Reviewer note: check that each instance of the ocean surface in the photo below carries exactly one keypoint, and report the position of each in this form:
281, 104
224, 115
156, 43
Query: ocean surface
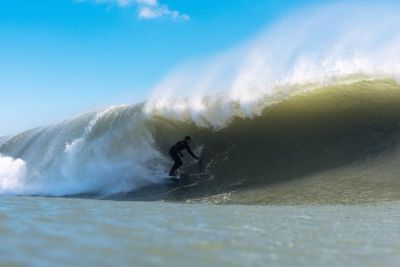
43, 231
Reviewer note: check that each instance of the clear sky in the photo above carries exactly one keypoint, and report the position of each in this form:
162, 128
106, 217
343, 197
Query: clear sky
60, 58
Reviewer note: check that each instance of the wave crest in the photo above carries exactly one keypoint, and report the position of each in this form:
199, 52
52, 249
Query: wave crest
308, 49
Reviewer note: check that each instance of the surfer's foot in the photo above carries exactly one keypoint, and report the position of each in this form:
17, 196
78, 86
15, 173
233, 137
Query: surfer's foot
172, 174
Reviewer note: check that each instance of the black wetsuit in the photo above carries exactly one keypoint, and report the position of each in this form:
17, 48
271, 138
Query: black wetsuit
175, 151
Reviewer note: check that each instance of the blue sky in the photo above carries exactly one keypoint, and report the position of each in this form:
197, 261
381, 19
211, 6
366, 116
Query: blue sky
60, 58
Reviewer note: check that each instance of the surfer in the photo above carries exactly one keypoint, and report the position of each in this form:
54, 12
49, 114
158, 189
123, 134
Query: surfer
176, 154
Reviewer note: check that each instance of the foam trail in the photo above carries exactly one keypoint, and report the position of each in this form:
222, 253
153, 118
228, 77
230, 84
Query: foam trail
317, 46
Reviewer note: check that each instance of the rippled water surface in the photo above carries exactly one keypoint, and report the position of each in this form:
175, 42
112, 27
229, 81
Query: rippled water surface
39, 231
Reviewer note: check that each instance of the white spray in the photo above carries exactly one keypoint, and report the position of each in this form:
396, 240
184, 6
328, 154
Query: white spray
307, 49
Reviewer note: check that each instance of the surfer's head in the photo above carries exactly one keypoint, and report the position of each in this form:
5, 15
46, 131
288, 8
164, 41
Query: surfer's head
188, 139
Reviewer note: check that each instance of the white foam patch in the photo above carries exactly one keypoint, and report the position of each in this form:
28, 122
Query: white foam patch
13, 173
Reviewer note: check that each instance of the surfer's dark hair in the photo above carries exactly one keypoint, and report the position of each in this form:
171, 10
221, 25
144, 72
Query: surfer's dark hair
188, 137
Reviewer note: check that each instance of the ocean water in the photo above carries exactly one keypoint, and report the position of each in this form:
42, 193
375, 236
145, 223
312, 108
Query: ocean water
42, 231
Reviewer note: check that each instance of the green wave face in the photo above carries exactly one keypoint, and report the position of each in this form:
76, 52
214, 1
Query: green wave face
337, 144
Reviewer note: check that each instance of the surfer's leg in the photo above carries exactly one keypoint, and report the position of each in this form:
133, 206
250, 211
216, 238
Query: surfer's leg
177, 164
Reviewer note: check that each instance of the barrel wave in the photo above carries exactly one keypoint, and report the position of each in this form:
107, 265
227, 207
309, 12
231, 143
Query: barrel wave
307, 112
334, 144
338, 144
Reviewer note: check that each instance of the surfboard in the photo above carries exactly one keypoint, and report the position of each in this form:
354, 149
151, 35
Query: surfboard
171, 179
174, 178
182, 175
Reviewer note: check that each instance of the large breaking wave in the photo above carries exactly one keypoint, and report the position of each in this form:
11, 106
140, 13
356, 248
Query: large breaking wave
306, 112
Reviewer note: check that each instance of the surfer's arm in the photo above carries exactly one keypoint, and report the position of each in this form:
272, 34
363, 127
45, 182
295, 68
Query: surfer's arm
191, 153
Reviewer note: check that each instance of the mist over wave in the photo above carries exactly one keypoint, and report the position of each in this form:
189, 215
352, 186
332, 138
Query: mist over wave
330, 57
307, 49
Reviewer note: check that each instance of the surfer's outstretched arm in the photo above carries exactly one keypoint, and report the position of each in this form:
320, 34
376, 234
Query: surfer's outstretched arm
191, 153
